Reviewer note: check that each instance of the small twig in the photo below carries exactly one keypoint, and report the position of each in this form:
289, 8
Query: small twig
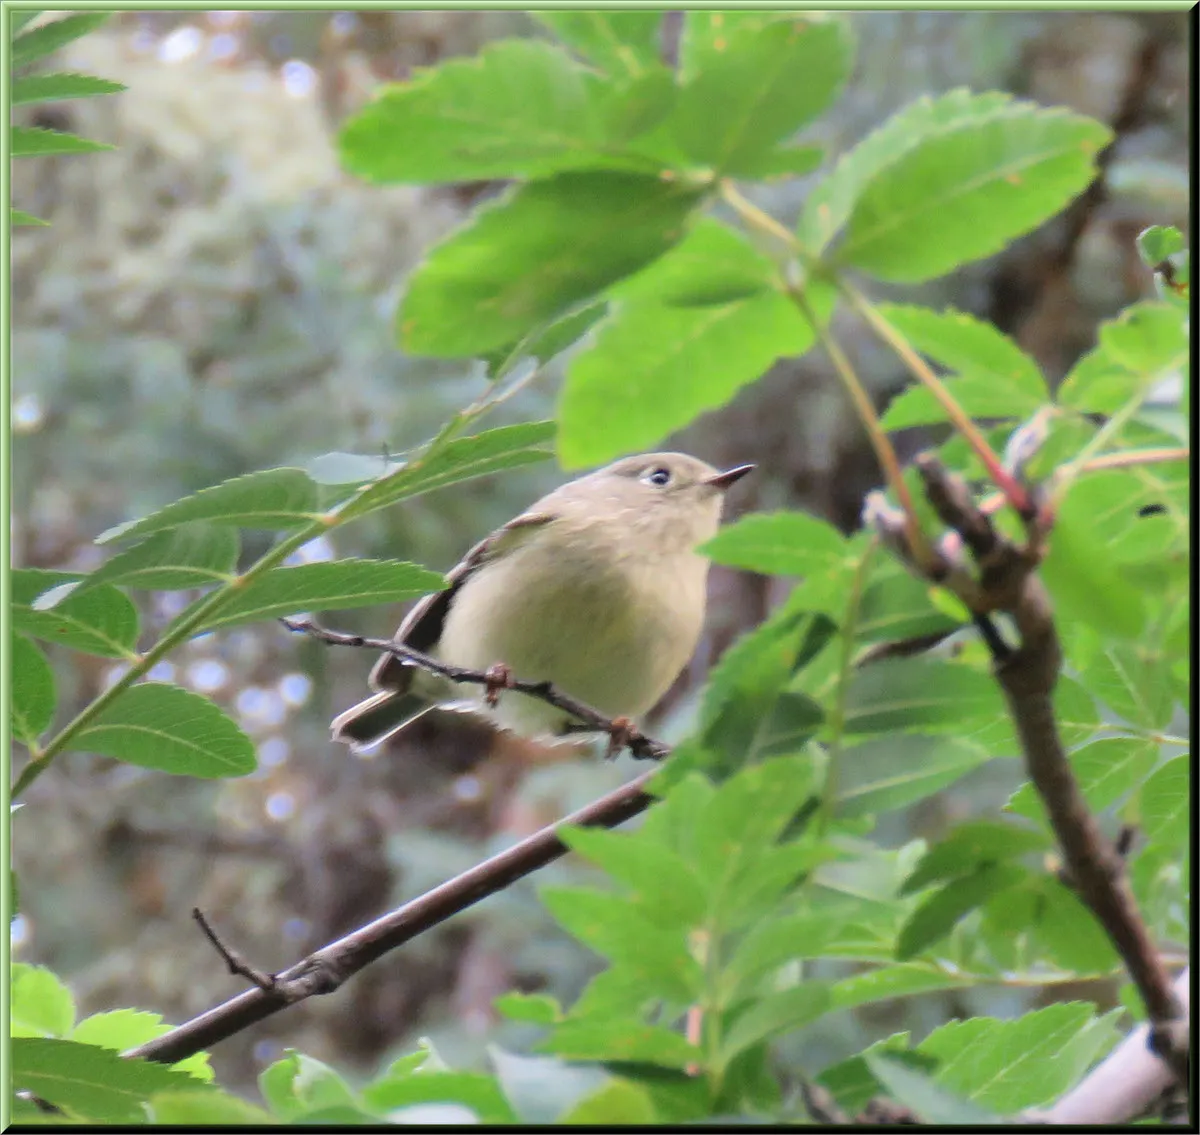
821, 1105
493, 681
237, 967
329, 967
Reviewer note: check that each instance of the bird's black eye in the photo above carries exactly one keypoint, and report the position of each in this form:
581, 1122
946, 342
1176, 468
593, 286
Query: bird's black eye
659, 475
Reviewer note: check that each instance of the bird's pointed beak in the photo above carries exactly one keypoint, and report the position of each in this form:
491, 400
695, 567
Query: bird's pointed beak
722, 481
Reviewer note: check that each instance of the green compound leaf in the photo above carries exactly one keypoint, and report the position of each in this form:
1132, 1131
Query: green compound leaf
335, 586
963, 193
60, 85
32, 690
163, 727
101, 621
535, 254
35, 141
196, 554
50, 37
272, 499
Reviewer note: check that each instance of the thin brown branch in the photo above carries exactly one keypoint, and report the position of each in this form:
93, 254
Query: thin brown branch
329, 967
1005, 580
640, 746
237, 967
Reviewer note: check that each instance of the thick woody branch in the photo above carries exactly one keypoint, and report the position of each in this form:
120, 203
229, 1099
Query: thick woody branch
643, 748
1004, 579
327, 969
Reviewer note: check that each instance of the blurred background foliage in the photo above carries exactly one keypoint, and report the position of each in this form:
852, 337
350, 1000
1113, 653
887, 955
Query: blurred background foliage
215, 296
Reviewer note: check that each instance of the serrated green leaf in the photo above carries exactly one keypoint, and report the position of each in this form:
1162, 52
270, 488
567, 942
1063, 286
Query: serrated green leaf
621, 1040
50, 37
534, 254
205, 1109
970, 845
60, 85
1164, 802
520, 108
773, 942
455, 461
1012, 1065
748, 97
102, 621
829, 205
39, 1003
614, 927
635, 108
885, 982
618, 1101
889, 772
706, 34
32, 690
272, 499
669, 890
625, 44
925, 1098
535, 1008
1107, 771
895, 605
905, 693
163, 727
1075, 710
937, 915
297, 1084
994, 377
545, 343
474, 1090
123, 1029
652, 369
20, 217
1146, 343
966, 191
851, 1081
775, 1014
785, 543
1132, 679
90, 1083
1157, 242
35, 141
334, 586
18, 18
781, 162
196, 554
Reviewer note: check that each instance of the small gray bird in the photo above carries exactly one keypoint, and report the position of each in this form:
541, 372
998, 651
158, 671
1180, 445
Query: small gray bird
597, 588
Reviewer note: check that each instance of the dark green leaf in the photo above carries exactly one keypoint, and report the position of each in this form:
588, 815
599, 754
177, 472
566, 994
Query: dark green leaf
970, 845
963, 193
520, 108
273, 499
91, 1083
888, 772
534, 254
474, 1090
1165, 802
621, 1039
895, 605
748, 98
1158, 242
193, 555
832, 200
670, 890
925, 1098
950, 904
1012, 1065
455, 461
334, 586
897, 694
39, 1003
776, 1013
652, 369
851, 1081
20, 217
123, 1029
102, 621
31, 689
773, 942
34, 141
48, 88
625, 44
163, 727
50, 37
996, 379
1074, 709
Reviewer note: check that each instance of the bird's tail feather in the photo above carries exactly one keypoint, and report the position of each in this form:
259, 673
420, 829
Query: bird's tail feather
366, 726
